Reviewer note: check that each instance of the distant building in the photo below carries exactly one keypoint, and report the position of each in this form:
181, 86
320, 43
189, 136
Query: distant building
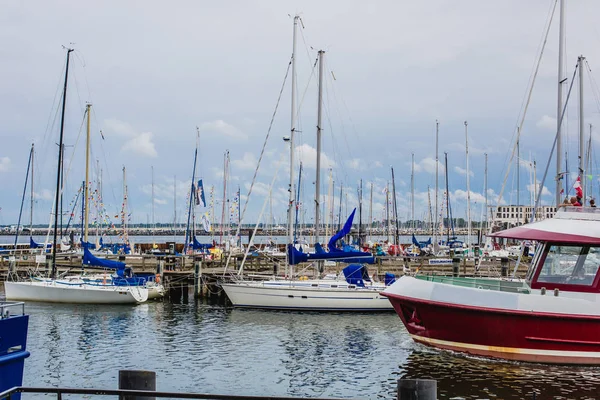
509, 216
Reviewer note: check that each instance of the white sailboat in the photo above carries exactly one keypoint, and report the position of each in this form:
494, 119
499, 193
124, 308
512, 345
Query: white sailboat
75, 289
353, 292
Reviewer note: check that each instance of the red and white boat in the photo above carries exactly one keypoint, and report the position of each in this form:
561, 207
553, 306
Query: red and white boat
552, 316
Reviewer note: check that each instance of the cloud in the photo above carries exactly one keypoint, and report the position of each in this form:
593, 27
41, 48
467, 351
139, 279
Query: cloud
141, 145
248, 161
43, 194
428, 165
221, 127
354, 163
461, 195
547, 123
545, 191
462, 171
5, 164
138, 143
308, 156
160, 201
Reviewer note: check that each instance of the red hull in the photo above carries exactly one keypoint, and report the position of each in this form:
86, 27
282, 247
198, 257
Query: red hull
511, 335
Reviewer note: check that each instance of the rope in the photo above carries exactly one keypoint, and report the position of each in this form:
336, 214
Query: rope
262, 152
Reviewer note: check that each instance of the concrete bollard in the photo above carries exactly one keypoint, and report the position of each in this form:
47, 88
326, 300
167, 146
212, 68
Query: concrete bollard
413, 389
137, 380
504, 266
455, 266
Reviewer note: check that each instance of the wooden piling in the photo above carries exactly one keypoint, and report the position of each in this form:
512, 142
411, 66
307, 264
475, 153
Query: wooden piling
137, 380
417, 389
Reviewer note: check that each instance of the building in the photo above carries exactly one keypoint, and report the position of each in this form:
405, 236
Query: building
509, 216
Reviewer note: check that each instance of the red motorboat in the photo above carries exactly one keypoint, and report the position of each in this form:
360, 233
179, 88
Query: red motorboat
551, 316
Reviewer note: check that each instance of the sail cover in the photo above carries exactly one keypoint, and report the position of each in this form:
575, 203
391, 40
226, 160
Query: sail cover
89, 260
295, 256
35, 245
343, 232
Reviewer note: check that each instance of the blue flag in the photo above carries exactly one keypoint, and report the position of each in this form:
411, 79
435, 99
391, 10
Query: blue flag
202, 199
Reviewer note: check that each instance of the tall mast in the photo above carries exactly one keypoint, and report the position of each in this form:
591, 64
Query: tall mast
468, 188
340, 210
86, 191
485, 189
152, 227
191, 200
124, 211
387, 210
518, 168
412, 192
396, 234
32, 192
318, 178
371, 212
292, 131
581, 61
174, 204
360, 198
561, 80
435, 222
58, 174
224, 196
447, 197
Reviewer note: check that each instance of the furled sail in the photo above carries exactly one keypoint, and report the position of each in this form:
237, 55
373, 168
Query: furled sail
343, 232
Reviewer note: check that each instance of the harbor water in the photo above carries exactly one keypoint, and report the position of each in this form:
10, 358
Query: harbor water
210, 348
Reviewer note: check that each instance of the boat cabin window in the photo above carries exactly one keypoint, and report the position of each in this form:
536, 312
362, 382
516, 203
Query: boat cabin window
573, 265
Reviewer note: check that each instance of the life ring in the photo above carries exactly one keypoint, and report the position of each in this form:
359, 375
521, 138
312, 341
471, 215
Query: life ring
157, 278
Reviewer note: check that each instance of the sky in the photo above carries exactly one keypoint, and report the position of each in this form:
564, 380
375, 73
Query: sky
162, 76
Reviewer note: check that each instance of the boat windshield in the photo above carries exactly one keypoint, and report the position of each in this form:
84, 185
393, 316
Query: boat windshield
573, 265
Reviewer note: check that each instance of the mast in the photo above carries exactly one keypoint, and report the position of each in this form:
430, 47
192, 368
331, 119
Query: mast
340, 210
580, 61
412, 192
153, 226
435, 222
292, 131
387, 210
360, 198
561, 80
447, 197
191, 200
86, 192
371, 212
224, 196
485, 189
396, 234
58, 174
518, 168
297, 205
468, 188
32, 193
318, 178
174, 205
124, 211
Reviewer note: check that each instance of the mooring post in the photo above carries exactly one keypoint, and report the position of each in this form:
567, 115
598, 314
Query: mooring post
417, 389
504, 266
455, 266
137, 380
197, 275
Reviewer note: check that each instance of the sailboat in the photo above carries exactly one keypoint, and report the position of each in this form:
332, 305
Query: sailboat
74, 289
354, 291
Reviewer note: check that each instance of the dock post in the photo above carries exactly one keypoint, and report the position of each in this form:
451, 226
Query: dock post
197, 276
455, 266
160, 267
413, 389
504, 266
137, 380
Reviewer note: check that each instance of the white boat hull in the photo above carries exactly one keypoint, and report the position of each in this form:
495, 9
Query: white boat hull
56, 292
282, 296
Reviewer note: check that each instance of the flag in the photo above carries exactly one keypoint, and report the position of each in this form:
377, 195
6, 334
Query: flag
200, 199
577, 187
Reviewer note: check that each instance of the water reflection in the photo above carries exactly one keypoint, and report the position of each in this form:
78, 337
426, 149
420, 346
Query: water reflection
476, 378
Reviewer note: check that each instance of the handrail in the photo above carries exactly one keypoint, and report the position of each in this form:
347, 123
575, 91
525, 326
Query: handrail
146, 393
5, 307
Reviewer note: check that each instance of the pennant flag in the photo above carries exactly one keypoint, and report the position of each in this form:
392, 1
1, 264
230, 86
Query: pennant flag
201, 200
577, 187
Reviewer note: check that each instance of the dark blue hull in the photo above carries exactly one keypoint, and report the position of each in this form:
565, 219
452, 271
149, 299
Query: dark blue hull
13, 345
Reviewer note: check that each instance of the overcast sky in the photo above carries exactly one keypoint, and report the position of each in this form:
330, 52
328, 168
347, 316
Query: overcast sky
155, 71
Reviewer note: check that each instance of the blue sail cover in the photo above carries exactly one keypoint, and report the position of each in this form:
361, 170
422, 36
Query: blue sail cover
89, 260
356, 274
295, 256
196, 245
34, 245
88, 245
319, 249
343, 232
420, 244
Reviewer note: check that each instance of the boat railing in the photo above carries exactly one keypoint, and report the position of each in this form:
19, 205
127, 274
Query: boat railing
502, 285
139, 394
7, 308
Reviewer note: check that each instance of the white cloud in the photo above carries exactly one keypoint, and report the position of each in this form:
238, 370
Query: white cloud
160, 201
354, 163
377, 164
545, 191
547, 123
248, 161
5, 164
221, 127
141, 145
43, 194
138, 143
308, 156
461, 195
462, 171
428, 165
